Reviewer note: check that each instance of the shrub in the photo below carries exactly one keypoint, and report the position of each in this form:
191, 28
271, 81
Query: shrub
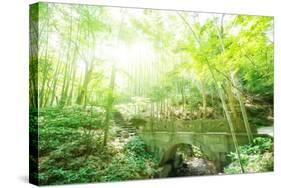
58, 126
136, 162
135, 146
74, 162
72, 117
255, 157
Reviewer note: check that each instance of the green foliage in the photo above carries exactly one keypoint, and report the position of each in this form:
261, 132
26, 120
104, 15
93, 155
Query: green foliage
136, 163
74, 162
255, 157
73, 117
136, 147
78, 171
71, 151
58, 126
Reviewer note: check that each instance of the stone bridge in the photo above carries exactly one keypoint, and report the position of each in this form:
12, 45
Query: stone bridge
212, 136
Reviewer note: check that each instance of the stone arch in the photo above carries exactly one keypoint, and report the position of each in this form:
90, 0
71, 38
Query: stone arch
168, 157
170, 151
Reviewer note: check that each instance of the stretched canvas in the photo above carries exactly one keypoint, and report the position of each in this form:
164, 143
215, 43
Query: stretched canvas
122, 93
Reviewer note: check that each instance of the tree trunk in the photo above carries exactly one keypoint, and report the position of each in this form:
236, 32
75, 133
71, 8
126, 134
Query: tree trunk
232, 105
243, 111
64, 93
45, 69
55, 81
110, 100
228, 117
204, 100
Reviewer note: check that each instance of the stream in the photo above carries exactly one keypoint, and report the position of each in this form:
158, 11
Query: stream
194, 166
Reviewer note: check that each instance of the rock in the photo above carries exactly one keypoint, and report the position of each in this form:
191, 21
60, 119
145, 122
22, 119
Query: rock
200, 166
165, 170
125, 134
132, 134
266, 130
177, 163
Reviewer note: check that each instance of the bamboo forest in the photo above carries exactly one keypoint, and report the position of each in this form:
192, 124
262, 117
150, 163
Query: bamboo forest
121, 94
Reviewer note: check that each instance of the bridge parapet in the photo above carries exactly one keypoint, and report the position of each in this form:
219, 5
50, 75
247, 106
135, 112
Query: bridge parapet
198, 126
